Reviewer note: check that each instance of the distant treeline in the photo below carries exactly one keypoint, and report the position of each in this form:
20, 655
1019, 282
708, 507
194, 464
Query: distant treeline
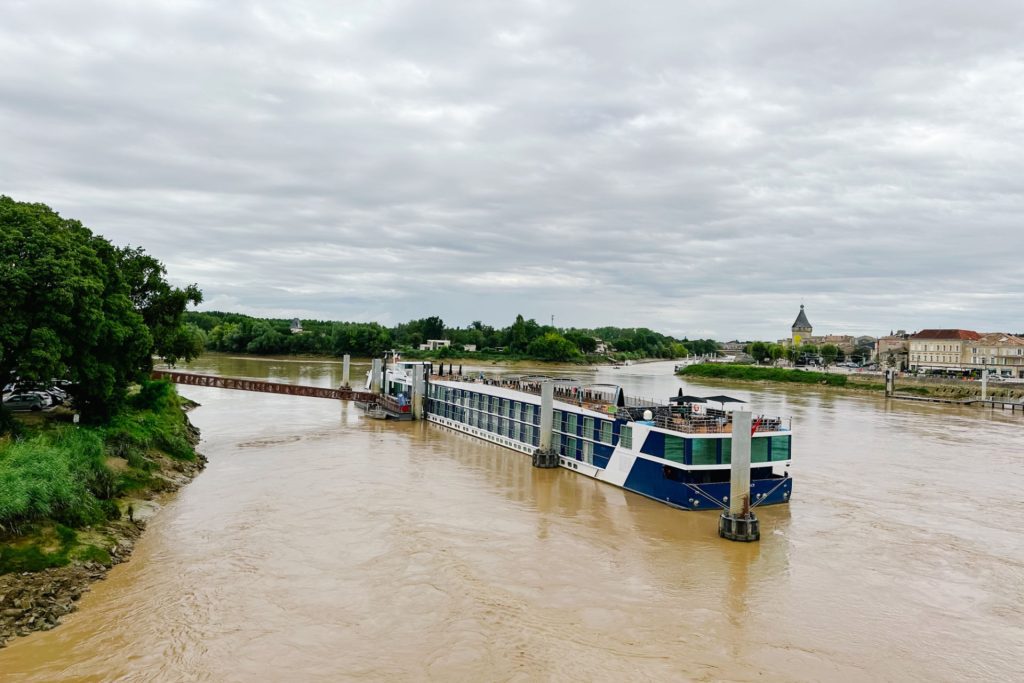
523, 339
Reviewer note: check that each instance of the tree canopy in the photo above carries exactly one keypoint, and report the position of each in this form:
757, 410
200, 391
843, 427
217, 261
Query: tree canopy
236, 333
75, 307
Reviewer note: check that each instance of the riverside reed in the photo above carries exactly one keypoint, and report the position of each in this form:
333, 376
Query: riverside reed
58, 479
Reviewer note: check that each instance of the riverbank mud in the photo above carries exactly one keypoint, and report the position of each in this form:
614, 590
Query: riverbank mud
36, 601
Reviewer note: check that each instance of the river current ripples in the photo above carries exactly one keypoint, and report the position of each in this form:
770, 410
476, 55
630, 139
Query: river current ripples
322, 546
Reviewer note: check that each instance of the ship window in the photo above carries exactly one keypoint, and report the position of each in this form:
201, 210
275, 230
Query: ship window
674, 448
780, 448
588, 452
557, 421
571, 426
606, 431
626, 437
759, 450
570, 447
705, 452
588, 428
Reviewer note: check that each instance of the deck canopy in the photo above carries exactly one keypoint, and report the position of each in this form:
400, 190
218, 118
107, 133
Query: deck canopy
724, 399
681, 399
726, 403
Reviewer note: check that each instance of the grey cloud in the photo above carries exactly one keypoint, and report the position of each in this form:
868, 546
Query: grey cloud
696, 169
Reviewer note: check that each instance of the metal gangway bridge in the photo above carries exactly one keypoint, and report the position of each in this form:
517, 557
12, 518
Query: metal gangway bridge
387, 403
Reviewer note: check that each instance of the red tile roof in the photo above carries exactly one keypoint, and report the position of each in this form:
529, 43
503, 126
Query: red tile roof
946, 334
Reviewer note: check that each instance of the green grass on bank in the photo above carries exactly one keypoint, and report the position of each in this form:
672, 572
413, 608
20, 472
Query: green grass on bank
952, 390
57, 476
755, 373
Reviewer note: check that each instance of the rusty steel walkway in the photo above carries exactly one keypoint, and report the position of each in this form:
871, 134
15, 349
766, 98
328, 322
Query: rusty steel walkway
388, 403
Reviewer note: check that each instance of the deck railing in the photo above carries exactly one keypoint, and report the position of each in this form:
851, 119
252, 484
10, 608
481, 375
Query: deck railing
715, 424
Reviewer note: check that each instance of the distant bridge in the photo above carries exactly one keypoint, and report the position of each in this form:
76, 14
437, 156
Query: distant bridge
388, 403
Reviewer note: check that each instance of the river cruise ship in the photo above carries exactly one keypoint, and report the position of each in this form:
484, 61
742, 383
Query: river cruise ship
677, 452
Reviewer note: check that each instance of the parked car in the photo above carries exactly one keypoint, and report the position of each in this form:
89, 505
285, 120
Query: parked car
44, 396
25, 402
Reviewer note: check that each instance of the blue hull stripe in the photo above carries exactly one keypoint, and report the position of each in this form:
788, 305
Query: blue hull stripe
648, 478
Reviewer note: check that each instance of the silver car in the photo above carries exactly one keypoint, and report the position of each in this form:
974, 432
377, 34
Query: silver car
25, 402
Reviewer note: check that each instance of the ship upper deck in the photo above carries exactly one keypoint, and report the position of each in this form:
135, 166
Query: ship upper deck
607, 400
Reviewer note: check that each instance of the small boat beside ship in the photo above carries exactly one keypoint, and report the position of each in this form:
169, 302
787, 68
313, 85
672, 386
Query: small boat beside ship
677, 452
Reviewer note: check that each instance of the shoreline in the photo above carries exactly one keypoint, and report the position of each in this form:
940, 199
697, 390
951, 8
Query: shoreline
906, 387
38, 600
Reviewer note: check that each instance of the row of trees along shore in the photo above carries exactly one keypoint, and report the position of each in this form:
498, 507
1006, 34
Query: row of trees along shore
523, 339
77, 310
829, 353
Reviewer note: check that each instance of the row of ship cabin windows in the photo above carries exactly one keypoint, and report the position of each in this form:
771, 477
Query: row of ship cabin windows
517, 410
458, 404
707, 451
599, 431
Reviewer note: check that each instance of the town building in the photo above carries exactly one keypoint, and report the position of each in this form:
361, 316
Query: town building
803, 334
940, 349
296, 326
435, 344
801, 329
892, 350
966, 352
1000, 353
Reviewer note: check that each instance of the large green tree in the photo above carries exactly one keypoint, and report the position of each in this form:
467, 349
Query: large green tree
553, 346
73, 306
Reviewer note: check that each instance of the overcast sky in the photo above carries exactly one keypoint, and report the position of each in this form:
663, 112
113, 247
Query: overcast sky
700, 168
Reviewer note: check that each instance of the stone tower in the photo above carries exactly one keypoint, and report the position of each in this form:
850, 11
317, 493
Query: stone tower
801, 328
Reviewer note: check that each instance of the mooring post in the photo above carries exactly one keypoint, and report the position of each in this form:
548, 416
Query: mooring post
417, 392
545, 456
984, 385
890, 382
375, 376
739, 523
346, 362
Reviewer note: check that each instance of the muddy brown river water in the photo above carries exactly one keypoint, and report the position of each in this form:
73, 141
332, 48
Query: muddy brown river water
322, 546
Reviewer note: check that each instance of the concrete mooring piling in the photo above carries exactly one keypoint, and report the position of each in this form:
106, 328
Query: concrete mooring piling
376, 376
739, 523
418, 392
890, 382
546, 457
346, 364
984, 385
